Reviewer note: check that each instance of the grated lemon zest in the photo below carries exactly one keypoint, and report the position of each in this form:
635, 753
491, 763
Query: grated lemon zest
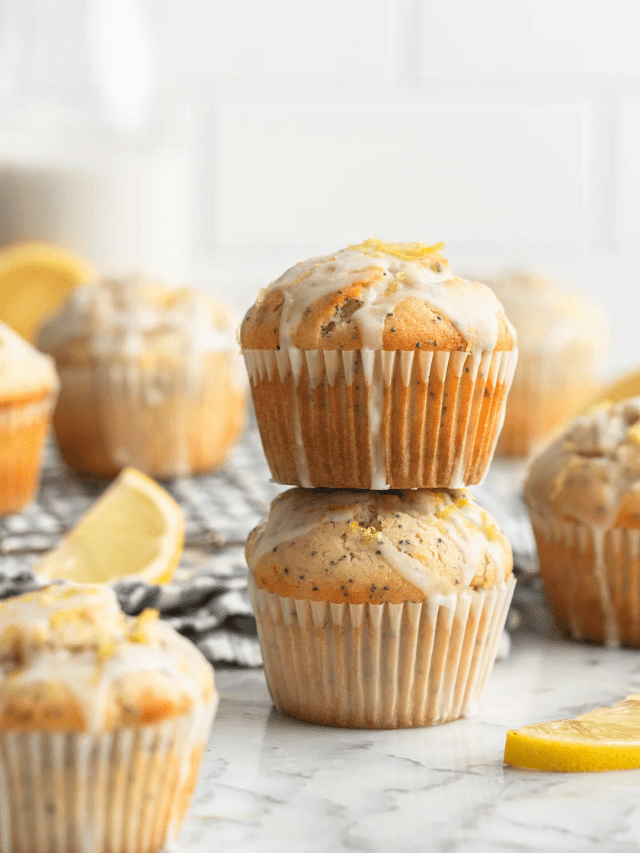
405, 251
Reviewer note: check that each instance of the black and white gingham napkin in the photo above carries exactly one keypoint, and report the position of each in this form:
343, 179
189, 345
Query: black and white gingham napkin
207, 600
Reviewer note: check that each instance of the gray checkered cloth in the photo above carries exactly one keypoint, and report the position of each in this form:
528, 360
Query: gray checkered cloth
207, 600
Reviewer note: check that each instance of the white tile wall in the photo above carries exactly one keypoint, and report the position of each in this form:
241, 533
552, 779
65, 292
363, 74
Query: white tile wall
473, 173
627, 175
285, 38
509, 129
541, 38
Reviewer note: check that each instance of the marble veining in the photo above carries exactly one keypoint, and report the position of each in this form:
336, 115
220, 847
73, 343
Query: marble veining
270, 783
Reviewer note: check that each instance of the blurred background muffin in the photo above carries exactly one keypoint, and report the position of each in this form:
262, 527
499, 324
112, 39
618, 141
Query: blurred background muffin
375, 367
562, 342
583, 495
28, 388
378, 609
103, 723
150, 377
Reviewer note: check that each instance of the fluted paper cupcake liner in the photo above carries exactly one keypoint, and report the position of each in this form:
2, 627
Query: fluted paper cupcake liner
23, 428
547, 389
168, 421
380, 666
119, 792
591, 579
372, 419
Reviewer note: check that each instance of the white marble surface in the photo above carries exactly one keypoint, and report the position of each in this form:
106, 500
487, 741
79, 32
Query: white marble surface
270, 783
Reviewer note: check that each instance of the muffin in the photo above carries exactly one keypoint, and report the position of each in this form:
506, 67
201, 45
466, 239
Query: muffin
378, 609
151, 377
28, 388
583, 494
103, 723
376, 368
562, 342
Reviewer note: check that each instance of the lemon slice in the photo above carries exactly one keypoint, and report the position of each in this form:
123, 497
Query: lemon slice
34, 280
134, 528
605, 739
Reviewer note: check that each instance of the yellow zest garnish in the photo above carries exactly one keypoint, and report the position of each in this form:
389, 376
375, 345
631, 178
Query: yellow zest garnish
107, 649
443, 513
462, 502
367, 533
405, 251
138, 634
391, 289
73, 615
490, 531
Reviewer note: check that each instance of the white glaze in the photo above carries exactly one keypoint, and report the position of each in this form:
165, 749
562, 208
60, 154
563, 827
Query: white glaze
297, 513
88, 674
470, 306
23, 369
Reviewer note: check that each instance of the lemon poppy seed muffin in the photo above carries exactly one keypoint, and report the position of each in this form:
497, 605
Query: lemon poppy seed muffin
376, 367
93, 702
151, 377
562, 342
28, 389
378, 609
583, 495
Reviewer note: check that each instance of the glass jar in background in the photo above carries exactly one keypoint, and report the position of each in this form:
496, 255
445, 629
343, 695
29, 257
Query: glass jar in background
92, 156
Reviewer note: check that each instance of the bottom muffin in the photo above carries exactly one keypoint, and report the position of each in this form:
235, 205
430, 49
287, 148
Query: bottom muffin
103, 723
378, 609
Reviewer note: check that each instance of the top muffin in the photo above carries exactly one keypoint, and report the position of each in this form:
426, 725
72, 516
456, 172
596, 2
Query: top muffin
375, 295
375, 368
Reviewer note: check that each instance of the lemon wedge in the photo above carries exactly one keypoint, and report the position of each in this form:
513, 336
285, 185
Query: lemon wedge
34, 280
134, 528
625, 386
604, 739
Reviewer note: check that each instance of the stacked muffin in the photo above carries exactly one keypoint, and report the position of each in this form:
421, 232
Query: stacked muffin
380, 588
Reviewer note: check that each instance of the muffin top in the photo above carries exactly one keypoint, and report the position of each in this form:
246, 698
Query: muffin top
548, 315
591, 471
24, 372
391, 296
368, 546
70, 660
134, 316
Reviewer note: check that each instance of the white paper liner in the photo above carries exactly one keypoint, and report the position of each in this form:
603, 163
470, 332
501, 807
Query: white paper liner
591, 578
146, 416
380, 666
377, 419
21, 415
118, 792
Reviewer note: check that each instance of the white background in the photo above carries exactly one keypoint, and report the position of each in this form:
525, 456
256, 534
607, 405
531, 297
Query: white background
507, 128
